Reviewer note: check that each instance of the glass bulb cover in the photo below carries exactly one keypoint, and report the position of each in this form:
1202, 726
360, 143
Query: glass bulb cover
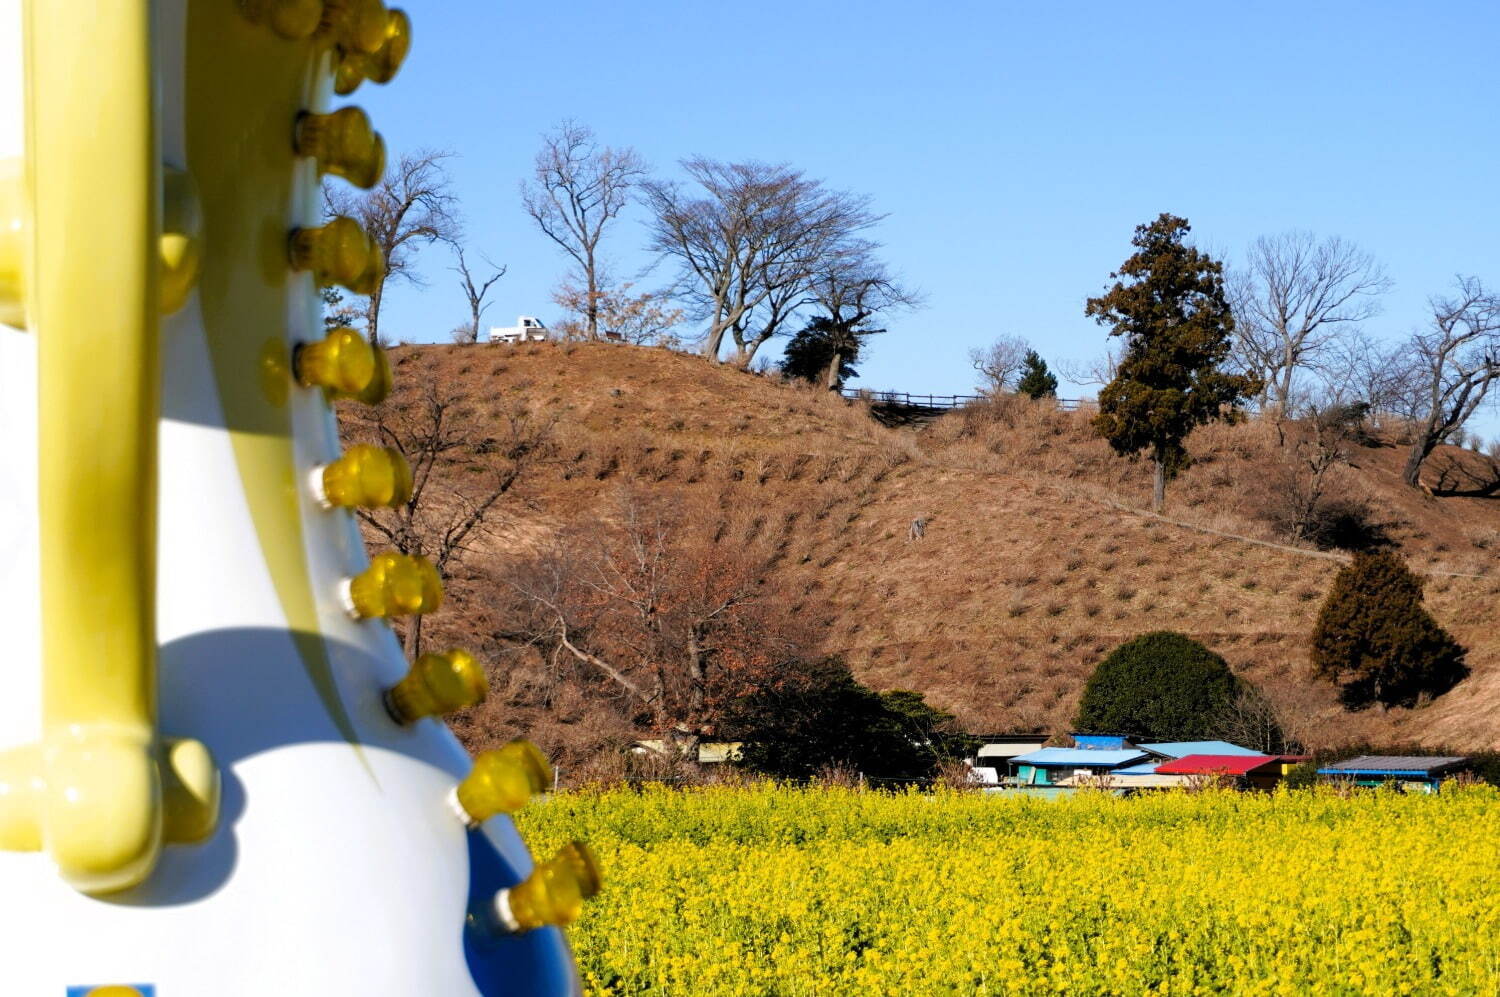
503, 781
338, 253
555, 891
344, 144
438, 684
343, 363
395, 585
367, 477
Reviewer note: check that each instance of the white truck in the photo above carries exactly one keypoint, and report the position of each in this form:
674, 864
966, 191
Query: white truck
527, 329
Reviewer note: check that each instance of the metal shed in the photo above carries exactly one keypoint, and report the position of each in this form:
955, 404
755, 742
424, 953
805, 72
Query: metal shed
1418, 772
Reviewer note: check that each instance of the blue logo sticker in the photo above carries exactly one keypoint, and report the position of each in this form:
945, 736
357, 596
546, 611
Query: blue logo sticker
114, 990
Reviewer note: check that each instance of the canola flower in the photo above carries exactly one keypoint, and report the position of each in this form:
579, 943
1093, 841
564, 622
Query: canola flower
772, 890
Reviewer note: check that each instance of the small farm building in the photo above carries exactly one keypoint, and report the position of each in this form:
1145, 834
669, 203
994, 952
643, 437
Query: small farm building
1255, 770
1414, 773
1060, 766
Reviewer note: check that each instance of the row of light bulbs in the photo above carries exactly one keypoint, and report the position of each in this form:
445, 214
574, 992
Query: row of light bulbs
370, 42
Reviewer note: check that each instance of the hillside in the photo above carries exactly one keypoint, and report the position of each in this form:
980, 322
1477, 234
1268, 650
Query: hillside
1037, 557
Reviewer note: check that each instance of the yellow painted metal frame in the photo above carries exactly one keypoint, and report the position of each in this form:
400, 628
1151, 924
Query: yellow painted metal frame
100, 791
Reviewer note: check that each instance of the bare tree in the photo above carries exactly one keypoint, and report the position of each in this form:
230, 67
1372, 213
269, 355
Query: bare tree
1000, 363
412, 206
1294, 297
631, 318
665, 605
1314, 446
474, 290
1253, 721
458, 473
1100, 370
577, 190
1452, 367
750, 245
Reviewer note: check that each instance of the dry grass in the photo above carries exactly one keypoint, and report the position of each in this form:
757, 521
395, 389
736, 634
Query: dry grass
1035, 561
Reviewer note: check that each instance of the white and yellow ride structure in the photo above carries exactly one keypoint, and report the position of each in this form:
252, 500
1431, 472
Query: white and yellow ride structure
218, 774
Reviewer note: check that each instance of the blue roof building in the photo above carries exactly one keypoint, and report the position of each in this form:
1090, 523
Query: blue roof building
1102, 742
1054, 766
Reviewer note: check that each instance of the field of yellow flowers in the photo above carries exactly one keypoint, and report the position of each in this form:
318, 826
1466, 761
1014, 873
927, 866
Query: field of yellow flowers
771, 890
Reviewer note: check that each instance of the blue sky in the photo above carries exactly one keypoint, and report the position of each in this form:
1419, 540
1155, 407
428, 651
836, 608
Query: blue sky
1013, 146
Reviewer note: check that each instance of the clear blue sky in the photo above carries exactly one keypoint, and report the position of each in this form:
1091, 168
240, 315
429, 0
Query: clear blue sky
1013, 146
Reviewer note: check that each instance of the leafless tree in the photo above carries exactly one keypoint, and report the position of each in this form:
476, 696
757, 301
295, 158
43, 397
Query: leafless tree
459, 474
665, 605
1314, 445
1000, 363
1100, 370
474, 290
1359, 368
1253, 721
577, 190
1293, 298
852, 287
621, 315
748, 240
1453, 365
412, 206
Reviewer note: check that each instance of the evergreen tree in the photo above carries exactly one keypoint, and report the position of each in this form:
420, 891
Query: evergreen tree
1036, 380
1162, 686
824, 352
1374, 636
816, 714
1168, 302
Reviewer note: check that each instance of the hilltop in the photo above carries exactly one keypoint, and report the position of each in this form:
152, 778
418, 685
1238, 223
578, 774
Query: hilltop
1039, 554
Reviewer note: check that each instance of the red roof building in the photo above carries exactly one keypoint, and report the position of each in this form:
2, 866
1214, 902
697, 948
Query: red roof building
1215, 764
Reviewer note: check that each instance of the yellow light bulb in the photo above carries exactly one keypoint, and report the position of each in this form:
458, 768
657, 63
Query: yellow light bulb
381, 381
553, 894
338, 253
353, 68
502, 782
437, 684
365, 476
394, 585
292, 19
344, 144
354, 25
343, 363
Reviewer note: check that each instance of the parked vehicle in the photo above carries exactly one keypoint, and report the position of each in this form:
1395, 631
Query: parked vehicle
528, 329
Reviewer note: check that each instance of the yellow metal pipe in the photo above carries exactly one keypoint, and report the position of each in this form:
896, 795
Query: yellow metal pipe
93, 175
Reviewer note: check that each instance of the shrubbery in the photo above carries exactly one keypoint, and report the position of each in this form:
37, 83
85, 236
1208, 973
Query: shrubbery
1159, 686
819, 716
1374, 637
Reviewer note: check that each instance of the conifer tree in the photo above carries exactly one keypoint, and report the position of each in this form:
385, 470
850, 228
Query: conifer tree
1036, 380
1375, 638
1169, 305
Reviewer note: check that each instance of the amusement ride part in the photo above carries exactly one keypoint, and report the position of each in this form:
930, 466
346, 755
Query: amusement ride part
218, 775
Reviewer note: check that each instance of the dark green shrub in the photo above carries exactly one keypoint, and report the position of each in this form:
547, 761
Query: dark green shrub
1374, 638
817, 715
1160, 686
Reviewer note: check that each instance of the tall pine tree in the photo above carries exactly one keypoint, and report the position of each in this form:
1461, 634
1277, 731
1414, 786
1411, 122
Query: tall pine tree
1168, 303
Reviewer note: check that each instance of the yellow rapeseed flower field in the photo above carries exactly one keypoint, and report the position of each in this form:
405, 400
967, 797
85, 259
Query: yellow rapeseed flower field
770, 890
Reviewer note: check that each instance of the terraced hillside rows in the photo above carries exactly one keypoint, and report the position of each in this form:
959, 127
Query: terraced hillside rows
1037, 557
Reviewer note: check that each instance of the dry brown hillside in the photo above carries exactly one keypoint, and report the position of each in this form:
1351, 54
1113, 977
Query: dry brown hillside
1037, 558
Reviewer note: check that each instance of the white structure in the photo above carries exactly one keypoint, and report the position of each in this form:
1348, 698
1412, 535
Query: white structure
527, 329
337, 863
